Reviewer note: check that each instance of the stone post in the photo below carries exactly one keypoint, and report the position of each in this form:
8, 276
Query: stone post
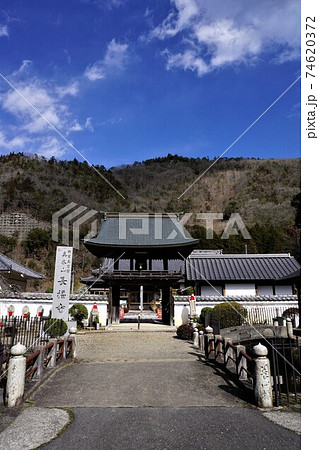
242, 363
201, 340
209, 343
73, 337
230, 357
39, 362
290, 331
16, 376
65, 344
52, 362
219, 353
195, 337
262, 377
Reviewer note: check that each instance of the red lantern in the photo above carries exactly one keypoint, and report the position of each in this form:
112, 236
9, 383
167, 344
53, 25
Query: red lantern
94, 305
40, 313
25, 315
192, 296
10, 313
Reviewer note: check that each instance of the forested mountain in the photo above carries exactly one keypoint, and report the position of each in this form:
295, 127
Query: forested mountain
266, 194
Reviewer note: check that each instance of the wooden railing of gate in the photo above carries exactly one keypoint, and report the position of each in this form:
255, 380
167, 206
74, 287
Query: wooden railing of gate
47, 357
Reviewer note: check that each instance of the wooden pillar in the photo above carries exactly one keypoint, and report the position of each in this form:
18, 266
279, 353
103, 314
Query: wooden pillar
166, 305
116, 304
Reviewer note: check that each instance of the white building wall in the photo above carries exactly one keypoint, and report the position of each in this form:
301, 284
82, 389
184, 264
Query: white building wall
181, 308
209, 290
240, 289
34, 301
283, 290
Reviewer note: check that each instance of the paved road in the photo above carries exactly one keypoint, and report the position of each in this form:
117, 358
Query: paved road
150, 391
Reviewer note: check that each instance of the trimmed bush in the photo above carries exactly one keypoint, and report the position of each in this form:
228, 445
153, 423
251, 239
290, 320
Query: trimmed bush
185, 332
230, 314
203, 312
55, 327
79, 312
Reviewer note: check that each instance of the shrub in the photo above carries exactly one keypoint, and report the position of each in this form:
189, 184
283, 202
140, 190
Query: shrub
203, 312
229, 314
200, 327
185, 332
55, 327
78, 312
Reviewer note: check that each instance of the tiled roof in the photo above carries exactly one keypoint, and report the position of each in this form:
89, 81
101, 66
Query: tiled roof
7, 264
126, 230
240, 267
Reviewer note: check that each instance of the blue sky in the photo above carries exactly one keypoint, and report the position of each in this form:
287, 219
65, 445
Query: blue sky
127, 80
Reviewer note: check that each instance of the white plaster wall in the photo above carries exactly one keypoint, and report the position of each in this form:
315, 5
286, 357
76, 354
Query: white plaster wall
181, 309
264, 290
46, 303
283, 290
240, 289
209, 290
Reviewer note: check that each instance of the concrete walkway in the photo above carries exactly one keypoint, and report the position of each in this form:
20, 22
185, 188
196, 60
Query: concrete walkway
149, 390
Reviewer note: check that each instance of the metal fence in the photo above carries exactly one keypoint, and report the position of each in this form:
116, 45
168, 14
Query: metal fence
266, 315
285, 363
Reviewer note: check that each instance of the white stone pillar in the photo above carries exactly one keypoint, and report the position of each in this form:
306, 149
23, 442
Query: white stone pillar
16, 376
209, 343
262, 377
201, 340
290, 331
73, 337
52, 353
195, 337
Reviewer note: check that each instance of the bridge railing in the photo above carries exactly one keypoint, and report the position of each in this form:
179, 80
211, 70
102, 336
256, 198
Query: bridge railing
24, 369
283, 365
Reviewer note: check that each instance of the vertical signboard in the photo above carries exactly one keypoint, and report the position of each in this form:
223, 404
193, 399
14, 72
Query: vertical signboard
62, 280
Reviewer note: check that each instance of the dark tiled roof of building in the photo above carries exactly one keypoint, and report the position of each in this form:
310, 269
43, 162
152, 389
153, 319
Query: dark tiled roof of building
125, 230
244, 267
8, 264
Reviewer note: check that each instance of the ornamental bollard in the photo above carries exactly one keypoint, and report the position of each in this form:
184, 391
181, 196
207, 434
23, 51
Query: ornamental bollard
195, 337
262, 377
16, 376
201, 340
290, 330
73, 337
209, 342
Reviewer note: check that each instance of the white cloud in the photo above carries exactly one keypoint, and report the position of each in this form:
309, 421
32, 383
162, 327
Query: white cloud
42, 100
214, 33
30, 132
17, 142
4, 32
88, 124
115, 58
52, 147
70, 89
105, 5
76, 127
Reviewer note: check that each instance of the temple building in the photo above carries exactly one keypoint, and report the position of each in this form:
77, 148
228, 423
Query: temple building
150, 256
144, 254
